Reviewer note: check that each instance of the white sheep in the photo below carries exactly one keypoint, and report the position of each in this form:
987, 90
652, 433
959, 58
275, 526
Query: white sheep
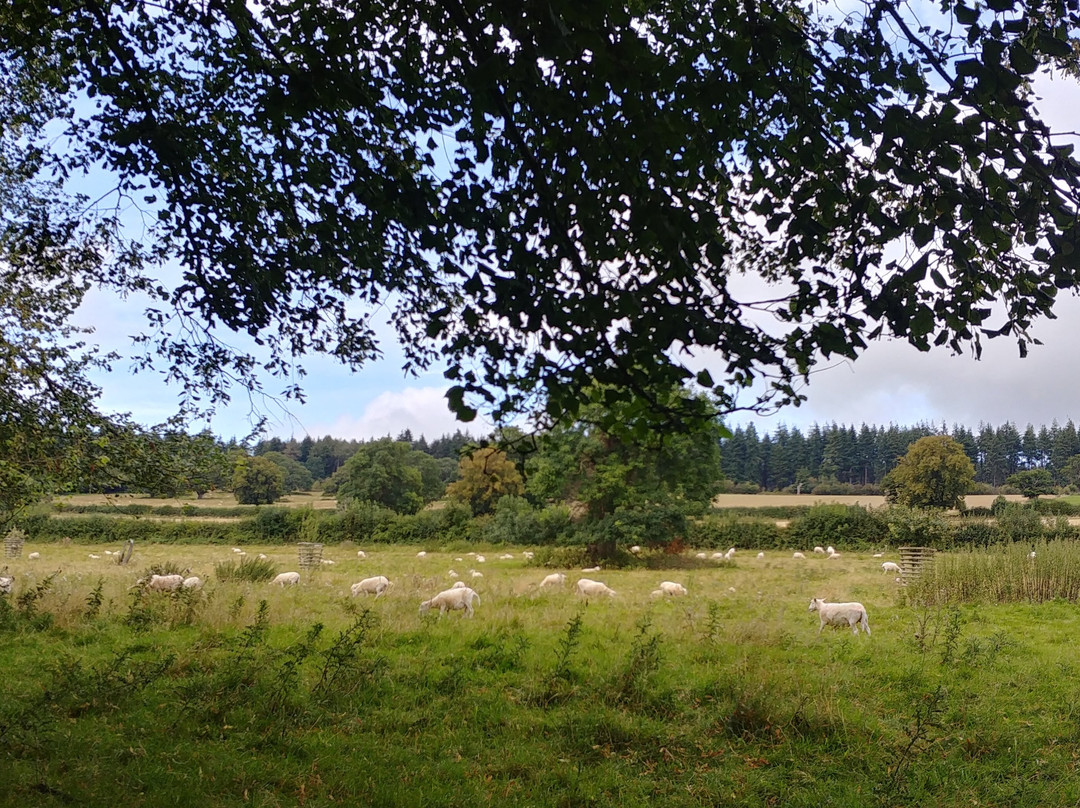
878, 555
92, 555
528, 554
833, 554
555, 579
840, 614
421, 554
635, 549
830, 550
506, 556
165, 583
890, 566
7, 583
460, 585
760, 555
819, 549
361, 554
326, 561
108, 552
194, 582
672, 588
718, 556
589, 588
287, 579
797, 554
700, 555
476, 574
34, 556
460, 598
656, 593
237, 550
591, 569
377, 585
263, 556
480, 559
1031, 554
452, 574
730, 554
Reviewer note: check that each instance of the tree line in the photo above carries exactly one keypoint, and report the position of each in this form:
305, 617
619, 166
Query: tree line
827, 455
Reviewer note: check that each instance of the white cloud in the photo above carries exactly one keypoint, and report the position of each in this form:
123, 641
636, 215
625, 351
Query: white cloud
422, 410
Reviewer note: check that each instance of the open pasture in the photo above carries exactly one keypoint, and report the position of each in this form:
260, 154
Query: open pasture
720, 697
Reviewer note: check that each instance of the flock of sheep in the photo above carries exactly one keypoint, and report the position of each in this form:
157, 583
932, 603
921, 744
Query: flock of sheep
460, 597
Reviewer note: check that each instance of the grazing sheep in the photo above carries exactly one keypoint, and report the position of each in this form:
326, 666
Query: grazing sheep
108, 552
326, 561
237, 550
194, 582
797, 554
1031, 554
460, 585
165, 583
589, 588
476, 574
452, 574
700, 555
34, 556
528, 554
506, 556
830, 549
878, 555
819, 549
458, 558
480, 559
460, 598
672, 588
833, 554
287, 579
7, 583
555, 579
841, 614
591, 569
760, 555
656, 593
730, 554
377, 585
94, 556
263, 556
361, 554
635, 549
890, 566
421, 554
718, 556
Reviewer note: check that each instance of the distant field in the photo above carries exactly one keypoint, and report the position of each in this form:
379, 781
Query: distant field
217, 499
763, 500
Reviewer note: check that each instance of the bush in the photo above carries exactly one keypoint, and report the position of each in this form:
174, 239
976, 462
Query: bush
975, 533
1019, 523
513, 522
1055, 507
724, 531
255, 570
850, 525
915, 527
573, 557
453, 522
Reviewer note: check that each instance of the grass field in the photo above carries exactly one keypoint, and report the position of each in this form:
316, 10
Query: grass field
726, 697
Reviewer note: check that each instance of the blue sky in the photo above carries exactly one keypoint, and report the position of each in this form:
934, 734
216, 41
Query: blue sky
890, 383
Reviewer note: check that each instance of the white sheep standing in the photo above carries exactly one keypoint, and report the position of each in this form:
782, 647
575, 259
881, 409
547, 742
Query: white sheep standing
194, 582
588, 588
377, 585
635, 549
453, 574
361, 554
819, 549
555, 579
34, 556
760, 555
460, 585
480, 559
459, 598
475, 574
528, 554
718, 556
287, 579
421, 554
797, 554
890, 566
700, 555
165, 583
672, 588
841, 614
830, 550
7, 583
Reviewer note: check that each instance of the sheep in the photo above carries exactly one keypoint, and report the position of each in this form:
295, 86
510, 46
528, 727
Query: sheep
377, 585
7, 583
833, 554
700, 555
890, 566
730, 554
635, 549
263, 556
452, 574
840, 614
528, 554
92, 555
760, 555
797, 554
819, 549
506, 556
165, 583
194, 582
555, 579
237, 550
718, 556
591, 569
830, 550
878, 555
108, 552
476, 574
460, 598
460, 585
588, 588
361, 554
326, 561
657, 593
421, 554
672, 588
287, 579
34, 556
1031, 554
480, 559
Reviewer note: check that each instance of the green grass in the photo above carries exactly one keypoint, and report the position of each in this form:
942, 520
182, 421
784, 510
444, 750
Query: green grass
249, 694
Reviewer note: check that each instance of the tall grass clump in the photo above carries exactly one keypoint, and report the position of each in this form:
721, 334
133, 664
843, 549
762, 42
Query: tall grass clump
1003, 574
255, 570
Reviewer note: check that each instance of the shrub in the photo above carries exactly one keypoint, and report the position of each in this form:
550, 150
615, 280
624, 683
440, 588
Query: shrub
451, 523
851, 525
717, 530
572, 557
514, 522
1018, 523
918, 528
975, 533
255, 570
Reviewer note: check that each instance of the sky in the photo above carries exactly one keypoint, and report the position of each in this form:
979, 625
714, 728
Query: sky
891, 382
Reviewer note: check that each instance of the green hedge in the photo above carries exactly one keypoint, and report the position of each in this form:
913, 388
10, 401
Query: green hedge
849, 526
724, 531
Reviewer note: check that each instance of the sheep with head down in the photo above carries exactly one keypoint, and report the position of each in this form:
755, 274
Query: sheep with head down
377, 585
850, 614
452, 599
588, 588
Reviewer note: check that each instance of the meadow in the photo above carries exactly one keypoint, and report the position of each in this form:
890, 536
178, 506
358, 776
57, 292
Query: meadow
248, 694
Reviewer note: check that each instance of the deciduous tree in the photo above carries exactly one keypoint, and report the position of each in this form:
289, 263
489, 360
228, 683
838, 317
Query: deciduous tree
258, 481
1032, 483
935, 473
484, 477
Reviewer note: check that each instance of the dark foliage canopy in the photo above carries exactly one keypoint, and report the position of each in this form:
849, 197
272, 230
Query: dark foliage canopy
544, 196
